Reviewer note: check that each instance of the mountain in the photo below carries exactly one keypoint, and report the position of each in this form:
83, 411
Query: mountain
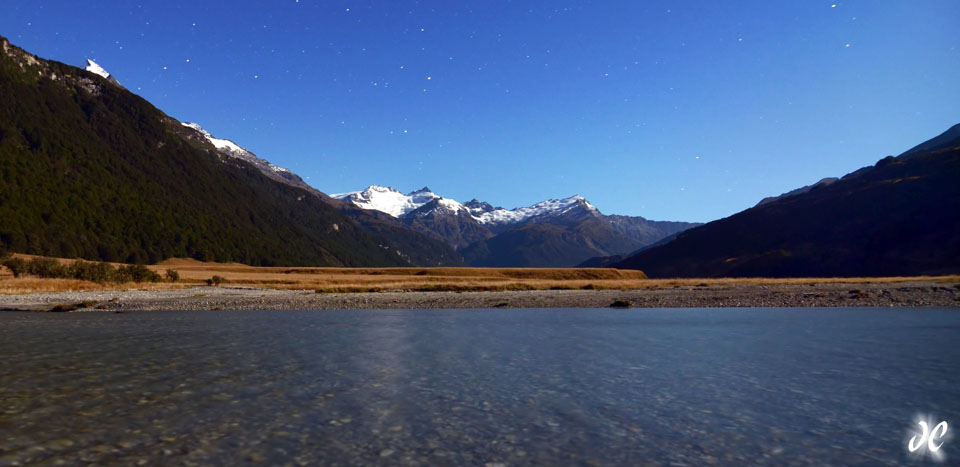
609, 261
898, 217
90, 170
414, 247
388, 200
447, 220
551, 233
397, 204
547, 245
549, 211
421, 211
418, 249
568, 233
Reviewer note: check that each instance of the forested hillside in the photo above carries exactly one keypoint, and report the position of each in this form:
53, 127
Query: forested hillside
90, 170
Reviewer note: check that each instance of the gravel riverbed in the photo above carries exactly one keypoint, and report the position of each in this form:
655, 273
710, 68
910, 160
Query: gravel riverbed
901, 294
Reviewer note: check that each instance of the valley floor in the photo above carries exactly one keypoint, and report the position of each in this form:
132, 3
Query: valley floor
940, 292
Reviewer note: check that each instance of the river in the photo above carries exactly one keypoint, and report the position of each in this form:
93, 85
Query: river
455, 387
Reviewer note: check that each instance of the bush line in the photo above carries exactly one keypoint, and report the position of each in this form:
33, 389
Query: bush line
100, 273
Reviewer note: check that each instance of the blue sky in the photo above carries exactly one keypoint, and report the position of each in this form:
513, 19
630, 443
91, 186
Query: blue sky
670, 110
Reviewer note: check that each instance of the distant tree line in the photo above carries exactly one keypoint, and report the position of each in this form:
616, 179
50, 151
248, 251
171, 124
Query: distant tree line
101, 273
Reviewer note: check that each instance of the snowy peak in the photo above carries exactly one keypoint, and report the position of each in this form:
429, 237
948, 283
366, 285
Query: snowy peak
550, 207
422, 196
92, 67
477, 207
440, 206
397, 204
388, 200
382, 189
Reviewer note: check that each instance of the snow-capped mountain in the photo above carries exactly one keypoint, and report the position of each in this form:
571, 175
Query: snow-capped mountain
551, 207
448, 221
231, 149
555, 232
388, 200
397, 204
97, 69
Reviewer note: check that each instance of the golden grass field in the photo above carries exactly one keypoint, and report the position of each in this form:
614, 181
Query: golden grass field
193, 273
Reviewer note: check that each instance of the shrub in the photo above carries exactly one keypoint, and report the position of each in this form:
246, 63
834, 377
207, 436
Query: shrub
101, 272
17, 266
123, 275
93, 272
215, 281
47, 268
136, 273
172, 275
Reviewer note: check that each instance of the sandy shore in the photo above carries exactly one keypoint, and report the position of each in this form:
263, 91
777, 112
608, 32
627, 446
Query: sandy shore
903, 294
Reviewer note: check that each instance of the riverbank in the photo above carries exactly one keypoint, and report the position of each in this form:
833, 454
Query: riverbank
831, 294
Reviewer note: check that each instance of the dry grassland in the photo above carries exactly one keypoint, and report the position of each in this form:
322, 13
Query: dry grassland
193, 273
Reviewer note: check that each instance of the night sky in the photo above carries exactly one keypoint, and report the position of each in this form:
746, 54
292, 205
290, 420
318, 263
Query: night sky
669, 110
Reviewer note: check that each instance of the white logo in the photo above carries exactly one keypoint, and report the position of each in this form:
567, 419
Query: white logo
927, 440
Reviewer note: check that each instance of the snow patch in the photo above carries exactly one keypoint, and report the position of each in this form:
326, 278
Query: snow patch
452, 205
97, 69
219, 143
227, 147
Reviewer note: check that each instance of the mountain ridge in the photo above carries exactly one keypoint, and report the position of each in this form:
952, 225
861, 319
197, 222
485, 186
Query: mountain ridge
552, 233
900, 216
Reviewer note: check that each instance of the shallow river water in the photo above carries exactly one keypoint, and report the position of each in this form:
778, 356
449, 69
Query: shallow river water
512, 387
